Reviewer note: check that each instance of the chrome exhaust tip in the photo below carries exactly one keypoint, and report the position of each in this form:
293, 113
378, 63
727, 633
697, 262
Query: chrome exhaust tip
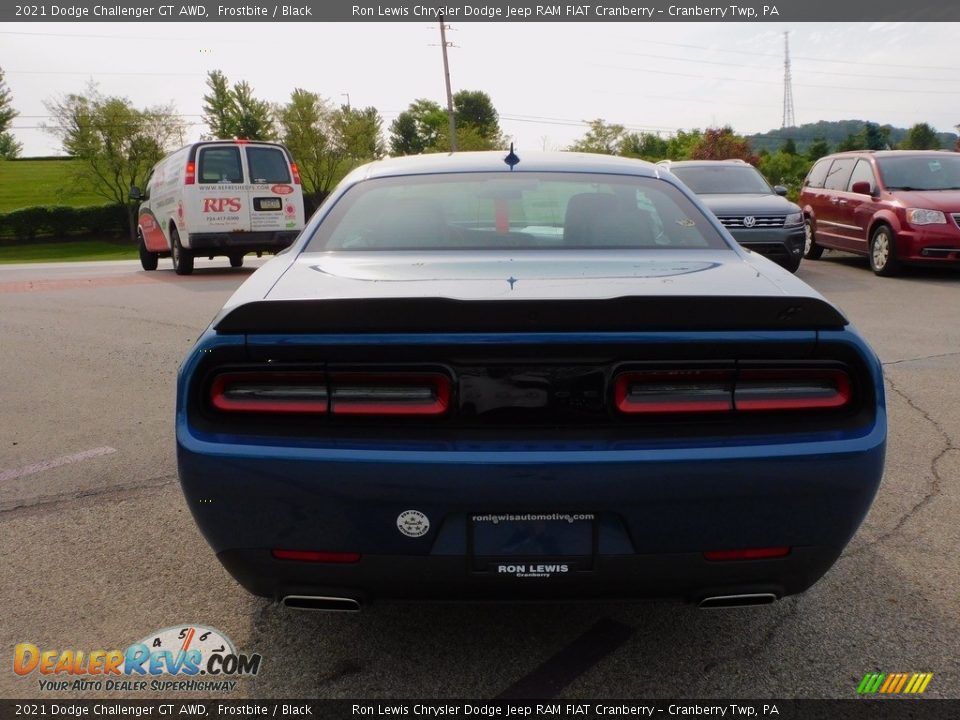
321, 603
723, 602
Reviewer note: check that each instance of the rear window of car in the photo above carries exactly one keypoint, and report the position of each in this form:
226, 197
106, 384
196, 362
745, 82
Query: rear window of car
930, 172
220, 165
268, 165
478, 211
722, 179
839, 174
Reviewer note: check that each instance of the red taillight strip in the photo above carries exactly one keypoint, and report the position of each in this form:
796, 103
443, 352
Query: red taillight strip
274, 392
721, 391
190, 177
316, 556
681, 391
747, 554
791, 389
360, 393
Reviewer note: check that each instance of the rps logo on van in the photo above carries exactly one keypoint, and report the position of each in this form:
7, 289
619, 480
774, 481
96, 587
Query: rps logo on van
221, 205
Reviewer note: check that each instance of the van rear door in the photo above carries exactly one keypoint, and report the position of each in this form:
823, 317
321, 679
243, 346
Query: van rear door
221, 203
275, 200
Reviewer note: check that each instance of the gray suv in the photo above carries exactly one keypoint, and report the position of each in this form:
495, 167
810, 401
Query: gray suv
757, 215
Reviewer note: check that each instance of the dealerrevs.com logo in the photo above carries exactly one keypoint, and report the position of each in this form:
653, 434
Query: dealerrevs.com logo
182, 657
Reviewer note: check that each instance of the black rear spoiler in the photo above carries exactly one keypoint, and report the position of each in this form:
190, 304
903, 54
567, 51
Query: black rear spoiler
624, 314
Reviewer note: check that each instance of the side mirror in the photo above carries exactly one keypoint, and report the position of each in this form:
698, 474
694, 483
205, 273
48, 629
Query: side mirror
862, 187
135, 193
780, 190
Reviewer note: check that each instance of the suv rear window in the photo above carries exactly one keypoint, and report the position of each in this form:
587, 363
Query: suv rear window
268, 165
220, 165
516, 211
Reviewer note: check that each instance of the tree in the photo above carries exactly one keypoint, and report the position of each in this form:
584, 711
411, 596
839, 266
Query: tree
788, 169
306, 124
115, 143
818, 148
418, 128
875, 137
474, 108
682, 144
789, 147
9, 147
359, 133
235, 112
601, 138
648, 146
921, 137
723, 144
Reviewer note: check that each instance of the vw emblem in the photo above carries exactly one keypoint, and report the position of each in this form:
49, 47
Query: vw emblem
749, 221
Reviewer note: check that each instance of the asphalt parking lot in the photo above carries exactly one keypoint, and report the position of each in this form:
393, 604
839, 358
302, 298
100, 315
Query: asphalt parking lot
99, 548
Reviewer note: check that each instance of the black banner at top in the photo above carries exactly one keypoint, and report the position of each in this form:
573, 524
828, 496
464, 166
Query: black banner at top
481, 11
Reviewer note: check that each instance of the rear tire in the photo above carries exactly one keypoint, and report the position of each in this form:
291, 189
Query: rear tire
236, 261
182, 258
148, 260
811, 251
883, 252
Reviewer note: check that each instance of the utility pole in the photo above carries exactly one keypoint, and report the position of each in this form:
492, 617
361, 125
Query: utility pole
446, 77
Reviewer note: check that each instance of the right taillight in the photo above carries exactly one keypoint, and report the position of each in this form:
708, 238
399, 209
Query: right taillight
791, 389
711, 391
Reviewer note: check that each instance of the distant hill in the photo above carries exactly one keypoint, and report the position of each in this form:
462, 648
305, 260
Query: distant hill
834, 132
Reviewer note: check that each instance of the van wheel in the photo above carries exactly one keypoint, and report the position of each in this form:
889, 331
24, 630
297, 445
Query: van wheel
148, 260
883, 254
811, 250
236, 261
182, 258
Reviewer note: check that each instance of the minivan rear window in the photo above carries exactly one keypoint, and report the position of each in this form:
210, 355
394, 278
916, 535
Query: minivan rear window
220, 165
818, 173
839, 174
268, 165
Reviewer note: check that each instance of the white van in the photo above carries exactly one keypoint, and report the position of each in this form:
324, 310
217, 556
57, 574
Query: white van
219, 197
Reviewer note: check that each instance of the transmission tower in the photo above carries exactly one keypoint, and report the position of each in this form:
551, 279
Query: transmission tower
788, 118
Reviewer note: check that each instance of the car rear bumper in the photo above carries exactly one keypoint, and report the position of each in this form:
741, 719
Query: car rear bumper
225, 243
657, 511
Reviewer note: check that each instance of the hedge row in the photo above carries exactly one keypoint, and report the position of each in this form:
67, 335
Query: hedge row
59, 221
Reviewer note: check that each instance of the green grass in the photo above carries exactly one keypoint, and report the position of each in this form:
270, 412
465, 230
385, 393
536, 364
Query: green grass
67, 251
25, 183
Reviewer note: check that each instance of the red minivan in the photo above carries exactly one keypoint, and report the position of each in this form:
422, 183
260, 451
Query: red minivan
897, 207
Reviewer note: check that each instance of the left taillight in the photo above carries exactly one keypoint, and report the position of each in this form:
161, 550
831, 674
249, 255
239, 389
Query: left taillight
337, 393
275, 392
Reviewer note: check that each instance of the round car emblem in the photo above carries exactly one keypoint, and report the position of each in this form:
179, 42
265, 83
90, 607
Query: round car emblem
749, 221
413, 523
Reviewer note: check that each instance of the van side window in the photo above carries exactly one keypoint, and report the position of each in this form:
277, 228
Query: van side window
268, 165
839, 174
863, 173
220, 165
818, 173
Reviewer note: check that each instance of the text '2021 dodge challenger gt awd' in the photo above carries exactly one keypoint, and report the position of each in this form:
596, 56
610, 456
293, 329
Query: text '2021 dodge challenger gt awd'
488, 377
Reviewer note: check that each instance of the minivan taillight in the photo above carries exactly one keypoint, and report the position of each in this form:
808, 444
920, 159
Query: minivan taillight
720, 391
190, 177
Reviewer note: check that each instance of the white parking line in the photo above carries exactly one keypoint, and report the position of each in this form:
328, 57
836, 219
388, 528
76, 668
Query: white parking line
54, 462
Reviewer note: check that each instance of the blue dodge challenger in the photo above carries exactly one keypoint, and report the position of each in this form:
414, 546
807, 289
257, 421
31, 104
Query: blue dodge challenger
486, 376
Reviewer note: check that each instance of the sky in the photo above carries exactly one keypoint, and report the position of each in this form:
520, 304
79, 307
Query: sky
545, 79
